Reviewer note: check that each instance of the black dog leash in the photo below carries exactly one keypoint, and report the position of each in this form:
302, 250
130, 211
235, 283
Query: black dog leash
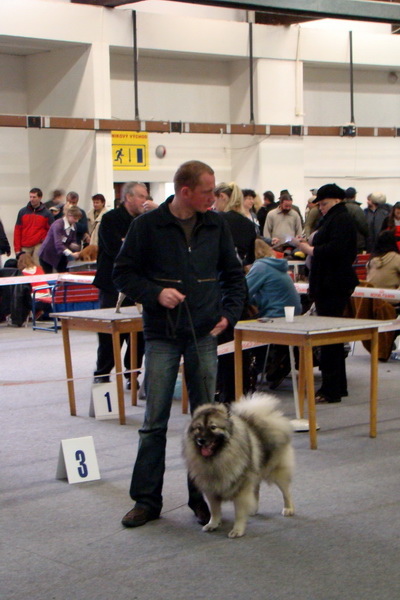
172, 327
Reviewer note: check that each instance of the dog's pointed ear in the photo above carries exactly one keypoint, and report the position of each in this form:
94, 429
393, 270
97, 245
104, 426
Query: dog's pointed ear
225, 407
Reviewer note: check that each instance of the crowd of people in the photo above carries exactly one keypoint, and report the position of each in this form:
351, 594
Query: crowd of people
205, 258
47, 236
56, 231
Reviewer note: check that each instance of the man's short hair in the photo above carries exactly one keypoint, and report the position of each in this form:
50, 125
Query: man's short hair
189, 174
128, 187
350, 192
377, 198
36, 191
73, 196
269, 196
284, 197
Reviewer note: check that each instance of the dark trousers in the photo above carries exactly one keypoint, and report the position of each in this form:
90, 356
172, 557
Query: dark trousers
105, 353
162, 364
61, 267
332, 358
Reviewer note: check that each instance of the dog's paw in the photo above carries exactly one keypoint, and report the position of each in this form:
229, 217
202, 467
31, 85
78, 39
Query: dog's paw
211, 526
236, 532
288, 512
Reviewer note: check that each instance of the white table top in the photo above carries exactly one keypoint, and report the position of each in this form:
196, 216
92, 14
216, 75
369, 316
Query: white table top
309, 325
103, 314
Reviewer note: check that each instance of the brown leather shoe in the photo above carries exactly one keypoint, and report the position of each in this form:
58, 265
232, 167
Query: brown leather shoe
322, 399
138, 516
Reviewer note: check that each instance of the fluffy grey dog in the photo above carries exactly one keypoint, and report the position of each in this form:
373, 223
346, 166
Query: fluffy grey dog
229, 451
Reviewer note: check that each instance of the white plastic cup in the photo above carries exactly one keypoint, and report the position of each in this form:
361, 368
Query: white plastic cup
289, 314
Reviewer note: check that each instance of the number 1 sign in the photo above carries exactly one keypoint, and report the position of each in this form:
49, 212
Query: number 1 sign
104, 403
77, 460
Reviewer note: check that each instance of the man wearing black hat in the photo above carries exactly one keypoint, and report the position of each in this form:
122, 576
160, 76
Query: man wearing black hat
332, 281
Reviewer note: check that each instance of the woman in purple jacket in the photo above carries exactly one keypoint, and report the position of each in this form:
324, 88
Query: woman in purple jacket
60, 242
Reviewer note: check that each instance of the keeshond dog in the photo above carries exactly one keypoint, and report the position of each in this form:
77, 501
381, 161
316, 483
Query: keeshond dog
230, 450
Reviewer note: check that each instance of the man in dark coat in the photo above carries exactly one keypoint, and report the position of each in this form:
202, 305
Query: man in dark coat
376, 213
269, 204
180, 263
112, 232
4, 244
359, 218
332, 281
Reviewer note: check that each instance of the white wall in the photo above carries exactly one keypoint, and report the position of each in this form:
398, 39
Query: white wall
367, 164
327, 97
239, 91
14, 155
15, 175
176, 90
60, 83
65, 159
13, 84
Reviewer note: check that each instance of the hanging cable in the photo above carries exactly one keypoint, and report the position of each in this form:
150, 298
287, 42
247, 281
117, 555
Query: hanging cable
351, 80
135, 65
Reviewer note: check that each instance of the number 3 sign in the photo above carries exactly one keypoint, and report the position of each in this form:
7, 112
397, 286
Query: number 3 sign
77, 460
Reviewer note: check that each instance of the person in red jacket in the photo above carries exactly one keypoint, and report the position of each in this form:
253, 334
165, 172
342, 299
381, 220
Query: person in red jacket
33, 223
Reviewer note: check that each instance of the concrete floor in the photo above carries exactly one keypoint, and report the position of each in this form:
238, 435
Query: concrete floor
61, 541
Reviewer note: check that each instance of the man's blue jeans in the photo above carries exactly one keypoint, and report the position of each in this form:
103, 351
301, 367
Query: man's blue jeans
162, 364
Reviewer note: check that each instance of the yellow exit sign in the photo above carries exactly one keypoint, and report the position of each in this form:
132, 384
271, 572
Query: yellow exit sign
130, 150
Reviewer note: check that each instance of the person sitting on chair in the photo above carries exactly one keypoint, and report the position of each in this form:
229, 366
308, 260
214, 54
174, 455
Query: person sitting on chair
271, 289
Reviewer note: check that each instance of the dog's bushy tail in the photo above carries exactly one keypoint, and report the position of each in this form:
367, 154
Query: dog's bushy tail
263, 405
264, 408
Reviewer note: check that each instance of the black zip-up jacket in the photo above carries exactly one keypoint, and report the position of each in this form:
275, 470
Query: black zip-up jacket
335, 249
112, 231
4, 245
155, 255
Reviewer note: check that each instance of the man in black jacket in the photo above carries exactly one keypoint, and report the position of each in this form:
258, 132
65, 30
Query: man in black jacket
359, 218
269, 204
332, 281
112, 232
179, 262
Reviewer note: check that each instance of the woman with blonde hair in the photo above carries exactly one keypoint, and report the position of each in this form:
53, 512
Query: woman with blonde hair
229, 203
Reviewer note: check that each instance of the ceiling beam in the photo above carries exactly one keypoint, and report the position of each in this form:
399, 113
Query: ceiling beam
382, 11
106, 3
364, 10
